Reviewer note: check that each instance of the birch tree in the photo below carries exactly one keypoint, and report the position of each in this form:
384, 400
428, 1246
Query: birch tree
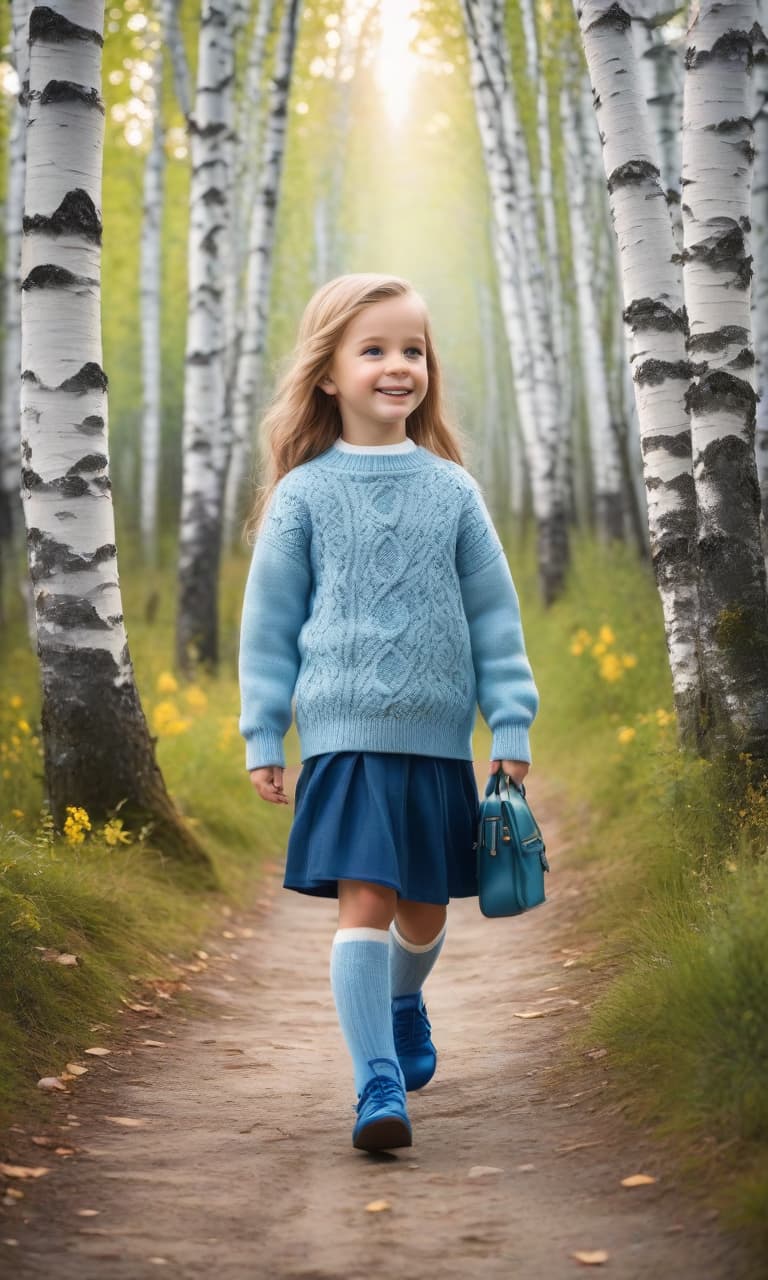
522, 288
203, 443
655, 316
260, 256
97, 749
760, 253
150, 281
716, 179
10, 512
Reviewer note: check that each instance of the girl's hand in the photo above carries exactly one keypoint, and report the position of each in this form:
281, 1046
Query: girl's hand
516, 769
268, 781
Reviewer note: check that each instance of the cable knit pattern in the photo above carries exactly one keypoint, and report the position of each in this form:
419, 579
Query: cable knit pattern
380, 599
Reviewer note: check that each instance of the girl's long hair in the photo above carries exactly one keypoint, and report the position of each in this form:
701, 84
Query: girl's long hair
301, 421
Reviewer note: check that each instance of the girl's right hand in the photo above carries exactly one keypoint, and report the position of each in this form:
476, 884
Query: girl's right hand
268, 781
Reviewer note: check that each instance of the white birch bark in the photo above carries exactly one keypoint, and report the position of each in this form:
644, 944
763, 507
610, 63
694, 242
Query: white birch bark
150, 281
522, 286
660, 64
260, 258
604, 455
760, 283
98, 753
169, 17
203, 443
716, 179
654, 311
10, 510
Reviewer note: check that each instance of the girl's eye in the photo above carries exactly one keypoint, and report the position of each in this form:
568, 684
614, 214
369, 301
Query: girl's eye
412, 351
368, 350
415, 351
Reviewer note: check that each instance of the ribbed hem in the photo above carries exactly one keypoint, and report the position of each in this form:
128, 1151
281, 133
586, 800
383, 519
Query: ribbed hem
511, 742
418, 737
262, 748
373, 463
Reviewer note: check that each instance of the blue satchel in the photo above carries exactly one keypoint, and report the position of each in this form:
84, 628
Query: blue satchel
511, 856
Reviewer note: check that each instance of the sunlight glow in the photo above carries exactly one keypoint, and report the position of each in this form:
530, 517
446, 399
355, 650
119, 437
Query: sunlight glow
396, 63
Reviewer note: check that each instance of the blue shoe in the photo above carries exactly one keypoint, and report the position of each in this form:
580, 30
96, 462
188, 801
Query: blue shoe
415, 1051
382, 1120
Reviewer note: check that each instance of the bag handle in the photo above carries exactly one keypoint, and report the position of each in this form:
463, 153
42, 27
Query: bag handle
494, 782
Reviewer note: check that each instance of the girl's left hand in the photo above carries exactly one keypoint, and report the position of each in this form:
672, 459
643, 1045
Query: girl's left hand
517, 769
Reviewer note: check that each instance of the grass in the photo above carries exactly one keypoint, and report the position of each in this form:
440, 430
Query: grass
681, 844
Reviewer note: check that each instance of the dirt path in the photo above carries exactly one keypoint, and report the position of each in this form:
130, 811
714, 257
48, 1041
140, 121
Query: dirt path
244, 1167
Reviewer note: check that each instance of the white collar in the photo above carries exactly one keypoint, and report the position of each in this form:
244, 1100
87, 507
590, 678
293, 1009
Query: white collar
402, 446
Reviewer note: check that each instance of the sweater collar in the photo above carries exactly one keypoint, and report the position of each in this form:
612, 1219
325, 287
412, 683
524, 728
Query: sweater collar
380, 462
402, 446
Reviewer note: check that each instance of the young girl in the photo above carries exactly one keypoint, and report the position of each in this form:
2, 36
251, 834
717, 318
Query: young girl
380, 597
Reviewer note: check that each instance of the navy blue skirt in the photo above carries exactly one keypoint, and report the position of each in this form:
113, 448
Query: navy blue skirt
407, 821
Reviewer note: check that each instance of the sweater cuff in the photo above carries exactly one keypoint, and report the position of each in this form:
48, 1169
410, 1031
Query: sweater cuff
262, 748
511, 742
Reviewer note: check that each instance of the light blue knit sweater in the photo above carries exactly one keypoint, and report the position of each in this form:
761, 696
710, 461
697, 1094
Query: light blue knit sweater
380, 608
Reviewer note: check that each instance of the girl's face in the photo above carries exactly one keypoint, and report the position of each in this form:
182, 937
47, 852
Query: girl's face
379, 370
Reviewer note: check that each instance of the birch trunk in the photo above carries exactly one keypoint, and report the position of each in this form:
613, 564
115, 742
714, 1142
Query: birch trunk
603, 451
98, 752
150, 281
204, 448
760, 286
260, 257
655, 315
717, 171
521, 286
660, 63
10, 509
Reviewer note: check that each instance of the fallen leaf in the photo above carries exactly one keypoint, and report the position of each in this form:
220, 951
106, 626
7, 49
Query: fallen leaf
140, 1008
154, 1044
202, 955
66, 958
525, 1168
9, 1240
592, 1257
98, 1052
128, 1122
64, 1151
22, 1171
87, 1213
13, 1193
637, 1180
75, 1070
529, 1013
566, 965
578, 1146
44, 1142
50, 1083
596, 1053
481, 1170
378, 1206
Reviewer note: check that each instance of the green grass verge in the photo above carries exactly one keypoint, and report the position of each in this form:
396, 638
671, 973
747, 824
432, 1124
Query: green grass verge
681, 844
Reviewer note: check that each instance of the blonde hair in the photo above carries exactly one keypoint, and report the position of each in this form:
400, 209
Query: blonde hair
301, 421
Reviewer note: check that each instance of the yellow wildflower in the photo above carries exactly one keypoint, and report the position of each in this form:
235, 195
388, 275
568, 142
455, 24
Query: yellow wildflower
15, 702
76, 824
17, 813
611, 668
166, 683
582, 637
628, 660
23, 727
576, 648
599, 649
606, 635
113, 832
195, 698
663, 718
626, 734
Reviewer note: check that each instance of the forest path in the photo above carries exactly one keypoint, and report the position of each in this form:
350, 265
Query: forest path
243, 1166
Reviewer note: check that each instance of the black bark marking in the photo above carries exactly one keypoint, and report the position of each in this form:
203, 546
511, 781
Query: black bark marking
633, 173
719, 339
208, 131
729, 46
730, 463
47, 24
76, 215
69, 91
679, 446
213, 195
615, 17
208, 242
723, 250
744, 360
90, 378
67, 486
654, 371
65, 515
49, 556
89, 462
736, 124
722, 390
91, 425
63, 611
652, 313
48, 275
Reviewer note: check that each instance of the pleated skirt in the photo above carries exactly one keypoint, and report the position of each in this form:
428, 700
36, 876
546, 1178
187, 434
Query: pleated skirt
402, 820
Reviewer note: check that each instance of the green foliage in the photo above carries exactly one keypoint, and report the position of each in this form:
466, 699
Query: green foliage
680, 844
